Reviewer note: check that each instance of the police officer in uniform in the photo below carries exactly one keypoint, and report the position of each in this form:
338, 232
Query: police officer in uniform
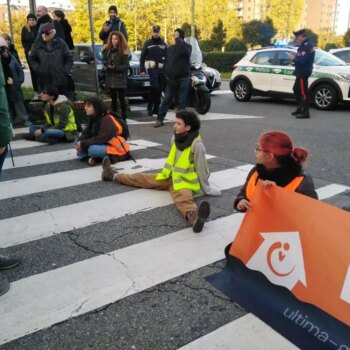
303, 61
151, 60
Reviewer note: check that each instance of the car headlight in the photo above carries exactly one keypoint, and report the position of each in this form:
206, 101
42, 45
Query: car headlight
345, 76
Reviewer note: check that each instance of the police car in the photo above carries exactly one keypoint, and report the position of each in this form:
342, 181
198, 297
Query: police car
269, 72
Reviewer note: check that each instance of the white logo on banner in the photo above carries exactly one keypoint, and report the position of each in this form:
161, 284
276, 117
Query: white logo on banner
345, 293
280, 259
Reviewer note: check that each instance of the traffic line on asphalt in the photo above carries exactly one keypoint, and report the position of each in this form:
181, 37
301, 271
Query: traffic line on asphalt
222, 92
64, 155
246, 333
42, 300
46, 223
331, 191
170, 117
20, 144
55, 181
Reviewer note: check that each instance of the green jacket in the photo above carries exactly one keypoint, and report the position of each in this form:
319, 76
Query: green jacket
5, 121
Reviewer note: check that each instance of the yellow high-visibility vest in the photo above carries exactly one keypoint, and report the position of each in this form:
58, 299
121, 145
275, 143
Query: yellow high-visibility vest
182, 172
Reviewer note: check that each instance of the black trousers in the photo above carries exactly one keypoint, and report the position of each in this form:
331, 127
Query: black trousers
301, 92
157, 82
120, 93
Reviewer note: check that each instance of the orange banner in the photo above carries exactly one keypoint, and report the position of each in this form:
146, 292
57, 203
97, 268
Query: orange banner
301, 244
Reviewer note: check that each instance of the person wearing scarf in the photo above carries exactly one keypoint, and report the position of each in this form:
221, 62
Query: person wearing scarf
102, 136
184, 173
278, 163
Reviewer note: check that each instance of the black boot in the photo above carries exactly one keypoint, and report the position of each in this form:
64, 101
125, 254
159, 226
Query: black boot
297, 111
303, 114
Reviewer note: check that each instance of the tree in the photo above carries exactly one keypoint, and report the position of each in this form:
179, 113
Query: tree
285, 15
206, 45
235, 45
218, 35
346, 38
186, 27
258, 33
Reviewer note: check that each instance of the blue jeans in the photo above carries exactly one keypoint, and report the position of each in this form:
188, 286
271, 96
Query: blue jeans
179, 90
94, 151
51, 133
2, 158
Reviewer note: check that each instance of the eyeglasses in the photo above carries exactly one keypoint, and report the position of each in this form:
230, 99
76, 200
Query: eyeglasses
45, 33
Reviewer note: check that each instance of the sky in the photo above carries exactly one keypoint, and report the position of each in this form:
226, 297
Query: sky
342, 21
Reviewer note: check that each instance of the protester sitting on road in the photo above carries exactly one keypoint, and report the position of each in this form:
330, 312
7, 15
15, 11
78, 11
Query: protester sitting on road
114, 24
185, 171
14, 77
5, 138
278, 163
102, 137
116, 57
60, 122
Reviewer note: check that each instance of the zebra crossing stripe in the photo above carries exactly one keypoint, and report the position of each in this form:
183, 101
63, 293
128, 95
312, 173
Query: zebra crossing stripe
41, 224
237, 335
331, 190
49, 182
63, 155
20, 144
41, 300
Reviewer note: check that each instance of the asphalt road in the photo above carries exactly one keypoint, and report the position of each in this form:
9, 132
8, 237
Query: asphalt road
179, 310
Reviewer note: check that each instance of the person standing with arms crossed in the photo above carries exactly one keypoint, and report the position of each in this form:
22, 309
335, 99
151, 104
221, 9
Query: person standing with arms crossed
151, 60
304, 61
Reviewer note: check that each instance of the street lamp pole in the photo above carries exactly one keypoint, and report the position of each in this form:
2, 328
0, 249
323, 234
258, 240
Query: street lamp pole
193, 33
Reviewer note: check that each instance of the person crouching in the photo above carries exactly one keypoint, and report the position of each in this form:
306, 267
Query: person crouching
102, 136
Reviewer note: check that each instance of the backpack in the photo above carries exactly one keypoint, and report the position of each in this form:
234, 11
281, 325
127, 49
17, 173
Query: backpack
125, 132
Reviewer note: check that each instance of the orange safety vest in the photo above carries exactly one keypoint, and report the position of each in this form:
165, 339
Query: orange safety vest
117, 145
292, 186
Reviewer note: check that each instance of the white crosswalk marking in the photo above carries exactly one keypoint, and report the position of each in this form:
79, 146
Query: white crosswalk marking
237, 335
60, 156
30, 227
40, 300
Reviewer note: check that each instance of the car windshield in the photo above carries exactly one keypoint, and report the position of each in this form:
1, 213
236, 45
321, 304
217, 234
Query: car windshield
196, 55
323, 58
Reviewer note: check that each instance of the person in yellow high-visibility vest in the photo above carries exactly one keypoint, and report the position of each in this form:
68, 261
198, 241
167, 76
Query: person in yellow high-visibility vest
185, 171
279, 163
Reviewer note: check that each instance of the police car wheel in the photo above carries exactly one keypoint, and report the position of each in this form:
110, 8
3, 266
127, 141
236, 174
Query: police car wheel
324, 97
242, 90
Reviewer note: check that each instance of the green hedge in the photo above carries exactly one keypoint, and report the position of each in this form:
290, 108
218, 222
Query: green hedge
222, 61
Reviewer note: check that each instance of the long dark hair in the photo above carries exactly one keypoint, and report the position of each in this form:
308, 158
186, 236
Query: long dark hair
100, 111
122, 48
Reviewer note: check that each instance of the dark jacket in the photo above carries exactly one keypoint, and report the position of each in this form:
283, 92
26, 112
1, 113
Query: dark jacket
14, 53
67, 29
27, 38
177, 61
116, 78
117, 26
51, 64
282, 176
304, 59
47, 19
98, 131
15, 90
5, 121
153, 50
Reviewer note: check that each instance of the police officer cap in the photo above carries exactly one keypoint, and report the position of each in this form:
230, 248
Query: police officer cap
300, 32
156, 29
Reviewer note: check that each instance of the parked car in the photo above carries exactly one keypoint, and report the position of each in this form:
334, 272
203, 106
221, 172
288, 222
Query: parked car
343, 54
84, 75
269, 72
